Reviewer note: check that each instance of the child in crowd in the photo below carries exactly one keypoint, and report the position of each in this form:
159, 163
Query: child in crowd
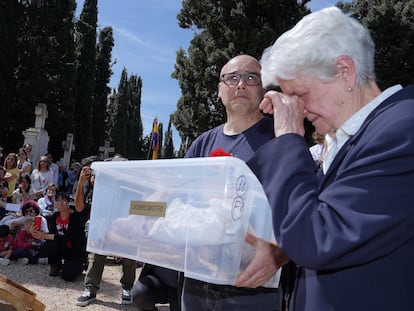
6, 245
47, 203
27, 247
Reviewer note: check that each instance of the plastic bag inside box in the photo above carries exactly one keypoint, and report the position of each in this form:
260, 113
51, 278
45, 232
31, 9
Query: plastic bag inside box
190, 215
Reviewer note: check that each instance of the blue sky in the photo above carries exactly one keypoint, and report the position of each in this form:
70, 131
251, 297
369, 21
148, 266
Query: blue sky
147, 37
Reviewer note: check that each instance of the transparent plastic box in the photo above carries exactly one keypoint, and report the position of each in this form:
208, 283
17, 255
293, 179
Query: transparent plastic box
190, 215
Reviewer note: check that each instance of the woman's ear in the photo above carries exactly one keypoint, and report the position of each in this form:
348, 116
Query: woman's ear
346, 71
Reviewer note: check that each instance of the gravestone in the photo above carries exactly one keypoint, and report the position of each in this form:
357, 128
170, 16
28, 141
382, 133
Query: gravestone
68, 148
37, 136
106, 149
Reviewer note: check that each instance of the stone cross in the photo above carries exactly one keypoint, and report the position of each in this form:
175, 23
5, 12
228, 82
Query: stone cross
41, 116
106, 149
68, 148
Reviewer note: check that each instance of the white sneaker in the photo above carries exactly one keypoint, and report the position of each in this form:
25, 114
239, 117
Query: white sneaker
126, 298
4, 261
23, 261
86, 298
42, 261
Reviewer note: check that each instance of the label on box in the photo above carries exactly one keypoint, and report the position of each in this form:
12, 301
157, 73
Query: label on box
148, 208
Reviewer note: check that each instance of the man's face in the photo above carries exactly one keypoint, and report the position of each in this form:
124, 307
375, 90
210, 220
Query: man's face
245, 95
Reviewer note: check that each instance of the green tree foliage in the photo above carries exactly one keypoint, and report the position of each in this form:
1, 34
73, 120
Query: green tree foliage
124, 118
85, 77
43, 70
135, 129
119, 131
168, 145
222, 30
8, 62
391, 24
103, 75
160, 139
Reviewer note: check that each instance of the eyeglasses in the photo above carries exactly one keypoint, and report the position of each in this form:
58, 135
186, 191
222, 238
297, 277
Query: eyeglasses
61, 201
250, 78
43, 161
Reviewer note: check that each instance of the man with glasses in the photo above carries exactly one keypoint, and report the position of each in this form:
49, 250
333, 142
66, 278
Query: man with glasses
245, 130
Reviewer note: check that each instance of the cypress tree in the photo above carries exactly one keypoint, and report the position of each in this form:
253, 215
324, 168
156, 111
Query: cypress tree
85, 78
103, 75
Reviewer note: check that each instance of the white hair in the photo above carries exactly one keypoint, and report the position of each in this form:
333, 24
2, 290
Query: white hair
311, 47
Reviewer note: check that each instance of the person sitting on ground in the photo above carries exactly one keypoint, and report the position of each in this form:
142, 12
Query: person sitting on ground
66, 243
47, 203
54, 168
29, 155
15, 219
4, 188
27, 247
10, 164
73, 175
24, 192
41, 177
24, 166
6, 245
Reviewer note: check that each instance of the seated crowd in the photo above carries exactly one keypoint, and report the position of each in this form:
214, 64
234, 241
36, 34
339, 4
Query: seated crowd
38, 222
44, 214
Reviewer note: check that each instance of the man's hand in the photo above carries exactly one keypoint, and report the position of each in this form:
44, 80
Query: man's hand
267, 260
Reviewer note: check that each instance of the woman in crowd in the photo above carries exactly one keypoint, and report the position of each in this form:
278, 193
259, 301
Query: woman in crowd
47, 203
41, 177
29, 156
4, 188
23, 165
28, 208
10, 164
24, 192
66, 243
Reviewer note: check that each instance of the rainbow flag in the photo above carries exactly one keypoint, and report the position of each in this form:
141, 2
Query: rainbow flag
154, 145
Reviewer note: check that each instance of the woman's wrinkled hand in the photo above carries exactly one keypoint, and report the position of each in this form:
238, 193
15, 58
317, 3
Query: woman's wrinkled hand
288, 113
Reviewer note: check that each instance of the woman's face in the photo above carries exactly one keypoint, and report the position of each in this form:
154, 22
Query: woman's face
30, 211
51, 192
21, 155
24, 183
43, 163
10, 161
323, 102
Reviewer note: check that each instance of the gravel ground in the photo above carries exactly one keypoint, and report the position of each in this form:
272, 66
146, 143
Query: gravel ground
59, 295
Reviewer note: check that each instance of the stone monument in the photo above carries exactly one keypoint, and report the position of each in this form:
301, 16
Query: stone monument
106, 149
37, 136
68, 148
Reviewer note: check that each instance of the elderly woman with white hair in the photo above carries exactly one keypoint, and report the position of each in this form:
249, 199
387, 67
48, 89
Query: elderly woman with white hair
350, 226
